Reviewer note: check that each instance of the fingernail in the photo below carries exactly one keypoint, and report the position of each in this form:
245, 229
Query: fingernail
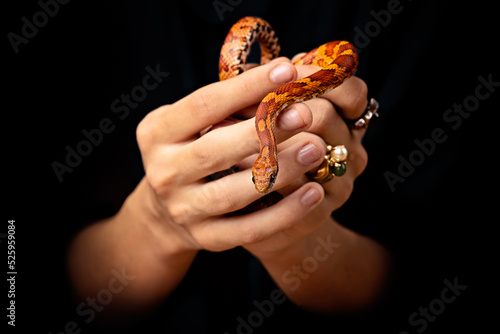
308, 155
290, 120
281, 74
311, 197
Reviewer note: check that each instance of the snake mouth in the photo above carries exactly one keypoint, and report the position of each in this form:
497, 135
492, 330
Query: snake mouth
264, 185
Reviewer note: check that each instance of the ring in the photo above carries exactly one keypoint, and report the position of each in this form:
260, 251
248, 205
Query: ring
333, 165
362, 122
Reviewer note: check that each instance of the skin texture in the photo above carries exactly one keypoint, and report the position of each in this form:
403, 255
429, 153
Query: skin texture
338, 61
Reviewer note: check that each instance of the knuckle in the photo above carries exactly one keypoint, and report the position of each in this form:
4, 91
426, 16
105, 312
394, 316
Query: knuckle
176, 213
180, 213
359, 94
325, 116
151, 127
144, 132
203, 157
360, 160
348, 189
320, 144
363, 160
225, 203
182, 207
203, 106
218, 198
161, 179
323, 110
324, 105
340, 197
249, 234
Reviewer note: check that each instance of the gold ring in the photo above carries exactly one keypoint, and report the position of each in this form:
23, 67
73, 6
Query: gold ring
334, 165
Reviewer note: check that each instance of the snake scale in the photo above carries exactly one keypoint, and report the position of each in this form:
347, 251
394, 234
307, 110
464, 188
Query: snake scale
338, 60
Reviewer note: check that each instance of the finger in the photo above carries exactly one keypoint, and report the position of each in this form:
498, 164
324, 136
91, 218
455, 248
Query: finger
298, 56
350, 98
340, 187
303, 226
225, 146
211, 104
235, 191
221, 234
327, 123
327, 127
249, 112
356, 160
337, 191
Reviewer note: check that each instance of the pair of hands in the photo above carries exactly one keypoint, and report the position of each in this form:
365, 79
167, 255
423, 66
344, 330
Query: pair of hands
177, 161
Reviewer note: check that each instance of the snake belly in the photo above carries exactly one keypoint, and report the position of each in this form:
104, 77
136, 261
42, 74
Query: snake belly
338, 60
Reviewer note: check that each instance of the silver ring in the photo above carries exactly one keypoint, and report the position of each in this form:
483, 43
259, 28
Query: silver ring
362, 122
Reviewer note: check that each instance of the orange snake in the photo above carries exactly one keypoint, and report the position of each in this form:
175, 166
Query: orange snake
338, 60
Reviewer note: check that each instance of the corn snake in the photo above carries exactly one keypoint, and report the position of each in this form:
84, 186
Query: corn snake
338, 60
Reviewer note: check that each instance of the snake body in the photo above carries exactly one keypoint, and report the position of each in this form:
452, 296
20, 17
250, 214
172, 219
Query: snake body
337, 59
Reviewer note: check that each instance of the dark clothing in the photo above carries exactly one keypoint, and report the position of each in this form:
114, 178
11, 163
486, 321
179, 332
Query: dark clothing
423, 194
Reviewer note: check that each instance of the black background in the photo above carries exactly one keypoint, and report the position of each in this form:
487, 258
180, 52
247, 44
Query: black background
438, 223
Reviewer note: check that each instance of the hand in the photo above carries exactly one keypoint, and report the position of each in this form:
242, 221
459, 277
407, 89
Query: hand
177, 162
353, 277
175, 211
329, 113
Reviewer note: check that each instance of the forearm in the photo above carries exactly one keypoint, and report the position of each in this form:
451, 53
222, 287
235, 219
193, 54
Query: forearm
132, 254
332, 269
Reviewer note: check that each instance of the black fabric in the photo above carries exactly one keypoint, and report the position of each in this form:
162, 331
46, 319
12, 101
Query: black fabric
423, 194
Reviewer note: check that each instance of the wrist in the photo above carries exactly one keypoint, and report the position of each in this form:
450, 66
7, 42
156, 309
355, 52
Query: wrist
135, 240
317, 249
143, 209
283, 256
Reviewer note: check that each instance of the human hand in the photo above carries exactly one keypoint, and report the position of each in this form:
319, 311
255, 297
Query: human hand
329, 126
177, 162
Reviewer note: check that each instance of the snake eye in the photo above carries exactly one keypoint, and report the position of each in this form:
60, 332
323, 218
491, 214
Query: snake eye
253, 179
272, 179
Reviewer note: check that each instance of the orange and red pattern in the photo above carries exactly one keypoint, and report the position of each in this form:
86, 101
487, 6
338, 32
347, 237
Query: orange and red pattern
338, 60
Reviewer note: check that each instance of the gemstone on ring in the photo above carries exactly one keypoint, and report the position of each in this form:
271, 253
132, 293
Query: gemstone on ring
337, 161
338, 168
333, 165
338, 153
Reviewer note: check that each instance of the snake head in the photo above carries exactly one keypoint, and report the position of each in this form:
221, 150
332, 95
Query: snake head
263, 176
